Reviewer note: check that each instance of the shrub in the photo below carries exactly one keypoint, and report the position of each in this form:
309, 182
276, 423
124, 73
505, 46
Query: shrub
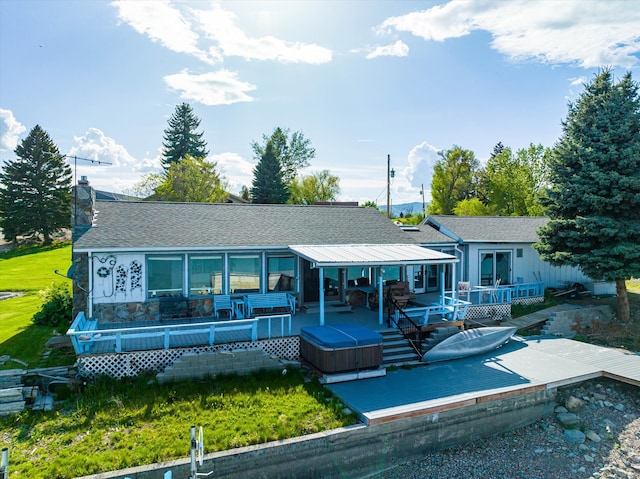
56, 308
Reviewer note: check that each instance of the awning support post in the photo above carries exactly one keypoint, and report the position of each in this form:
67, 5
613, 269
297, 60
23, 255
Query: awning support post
321, 276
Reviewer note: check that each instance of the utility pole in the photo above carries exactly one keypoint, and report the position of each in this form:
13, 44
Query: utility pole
390, 174
422, 193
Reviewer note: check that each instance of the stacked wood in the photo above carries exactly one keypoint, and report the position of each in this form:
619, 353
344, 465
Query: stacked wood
11, 398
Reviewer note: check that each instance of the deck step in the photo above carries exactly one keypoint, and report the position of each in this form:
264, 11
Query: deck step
397, 350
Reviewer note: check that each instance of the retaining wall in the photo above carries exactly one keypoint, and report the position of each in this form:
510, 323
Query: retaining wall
358, 451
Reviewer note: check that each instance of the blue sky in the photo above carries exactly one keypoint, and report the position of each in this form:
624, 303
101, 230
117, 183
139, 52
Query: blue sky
361, 80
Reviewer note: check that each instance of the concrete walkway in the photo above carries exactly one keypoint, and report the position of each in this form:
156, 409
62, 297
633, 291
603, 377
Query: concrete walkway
517, 368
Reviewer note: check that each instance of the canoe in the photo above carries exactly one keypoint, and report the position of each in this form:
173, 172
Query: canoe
469, 343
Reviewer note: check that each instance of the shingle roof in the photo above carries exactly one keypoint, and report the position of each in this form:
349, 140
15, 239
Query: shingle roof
140, 225
491, 229
425, 234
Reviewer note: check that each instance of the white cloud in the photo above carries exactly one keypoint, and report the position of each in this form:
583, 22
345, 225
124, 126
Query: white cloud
588, 33
397, 49
118, 172
578, 81
220, 26
235, 169
215, 88
164, 24
10, 130
212, 34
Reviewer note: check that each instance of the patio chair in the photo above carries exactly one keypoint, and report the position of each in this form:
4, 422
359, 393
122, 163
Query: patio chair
464, 289
222, 303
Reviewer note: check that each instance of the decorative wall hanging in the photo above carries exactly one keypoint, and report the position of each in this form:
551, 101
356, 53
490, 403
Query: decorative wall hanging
121, 279
135, 269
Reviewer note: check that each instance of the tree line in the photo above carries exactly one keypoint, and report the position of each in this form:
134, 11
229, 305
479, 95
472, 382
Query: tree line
588, 184
189, 176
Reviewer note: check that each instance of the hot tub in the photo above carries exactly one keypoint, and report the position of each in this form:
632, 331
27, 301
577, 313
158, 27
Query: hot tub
340, 348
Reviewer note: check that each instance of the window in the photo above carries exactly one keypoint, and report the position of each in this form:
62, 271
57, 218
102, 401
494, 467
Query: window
281, 273
165, 276
205, 275
392, 273
519, 252
244, 273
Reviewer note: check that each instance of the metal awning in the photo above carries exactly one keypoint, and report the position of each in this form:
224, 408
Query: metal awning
327, 256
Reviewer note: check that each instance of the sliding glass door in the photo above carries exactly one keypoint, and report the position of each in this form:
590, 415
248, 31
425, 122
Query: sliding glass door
495, 267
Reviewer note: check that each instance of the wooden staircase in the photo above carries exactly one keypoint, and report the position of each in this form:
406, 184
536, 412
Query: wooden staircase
437, 336
397, 351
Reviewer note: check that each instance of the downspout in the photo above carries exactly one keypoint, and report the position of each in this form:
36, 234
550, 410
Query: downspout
90, 282
380, 299
462, 276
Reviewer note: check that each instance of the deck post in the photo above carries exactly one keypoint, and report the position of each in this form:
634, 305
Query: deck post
212, 334
167, 338
380, 300
321, 276
118, 342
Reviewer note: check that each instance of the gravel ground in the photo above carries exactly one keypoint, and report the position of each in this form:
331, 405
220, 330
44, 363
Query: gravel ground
604, 443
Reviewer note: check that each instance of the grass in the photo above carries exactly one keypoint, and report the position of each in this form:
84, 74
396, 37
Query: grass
117, 424
28, 270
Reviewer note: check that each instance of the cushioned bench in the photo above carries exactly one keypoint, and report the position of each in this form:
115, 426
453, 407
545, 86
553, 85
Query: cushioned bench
270, 303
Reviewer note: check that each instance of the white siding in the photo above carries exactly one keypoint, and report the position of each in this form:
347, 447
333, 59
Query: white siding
118, 278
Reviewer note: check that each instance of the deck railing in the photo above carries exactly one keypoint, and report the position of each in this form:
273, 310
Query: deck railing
481, 295
87, 337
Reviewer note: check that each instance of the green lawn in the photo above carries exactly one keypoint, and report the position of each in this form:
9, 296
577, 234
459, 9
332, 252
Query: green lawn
29, 271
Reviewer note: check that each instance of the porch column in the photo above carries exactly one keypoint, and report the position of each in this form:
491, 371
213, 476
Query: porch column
380, 300
321, 276
442, 291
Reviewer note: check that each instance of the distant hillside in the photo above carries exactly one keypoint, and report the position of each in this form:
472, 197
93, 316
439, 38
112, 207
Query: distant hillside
404, 208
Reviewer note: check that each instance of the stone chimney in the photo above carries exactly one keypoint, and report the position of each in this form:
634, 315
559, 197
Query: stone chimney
83, 202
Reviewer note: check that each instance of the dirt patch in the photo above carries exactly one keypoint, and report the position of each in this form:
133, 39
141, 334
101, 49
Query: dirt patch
10, 294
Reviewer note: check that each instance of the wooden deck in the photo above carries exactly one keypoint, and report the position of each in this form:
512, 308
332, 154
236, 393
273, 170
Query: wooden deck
519, 367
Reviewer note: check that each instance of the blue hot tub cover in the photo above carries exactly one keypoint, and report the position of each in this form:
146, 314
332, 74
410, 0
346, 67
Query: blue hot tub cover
341, 336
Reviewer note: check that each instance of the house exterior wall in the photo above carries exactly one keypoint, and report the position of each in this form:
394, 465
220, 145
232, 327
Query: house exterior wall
528, 268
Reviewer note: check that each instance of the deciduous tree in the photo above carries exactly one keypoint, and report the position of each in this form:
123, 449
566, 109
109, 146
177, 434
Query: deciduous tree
192, 180
593, 200
35, 189
181, 138
319, 186
452, 180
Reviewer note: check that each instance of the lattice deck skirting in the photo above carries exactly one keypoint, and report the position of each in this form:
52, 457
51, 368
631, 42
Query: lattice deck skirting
495, 311
119, 365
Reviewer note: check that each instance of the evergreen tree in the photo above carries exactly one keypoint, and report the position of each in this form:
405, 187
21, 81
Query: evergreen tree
593, 200
35, 189
293, 152
181, 138
268, 186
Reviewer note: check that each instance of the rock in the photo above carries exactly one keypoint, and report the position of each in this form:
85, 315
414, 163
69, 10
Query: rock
619, 407
573, 403
560, 409
574, 436
59, 342
588, 458
599, 397
346, 411
593, 436
568, 419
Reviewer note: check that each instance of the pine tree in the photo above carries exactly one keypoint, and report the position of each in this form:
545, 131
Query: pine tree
35, 189
294, 152
268, 186
594, 198
181, 138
